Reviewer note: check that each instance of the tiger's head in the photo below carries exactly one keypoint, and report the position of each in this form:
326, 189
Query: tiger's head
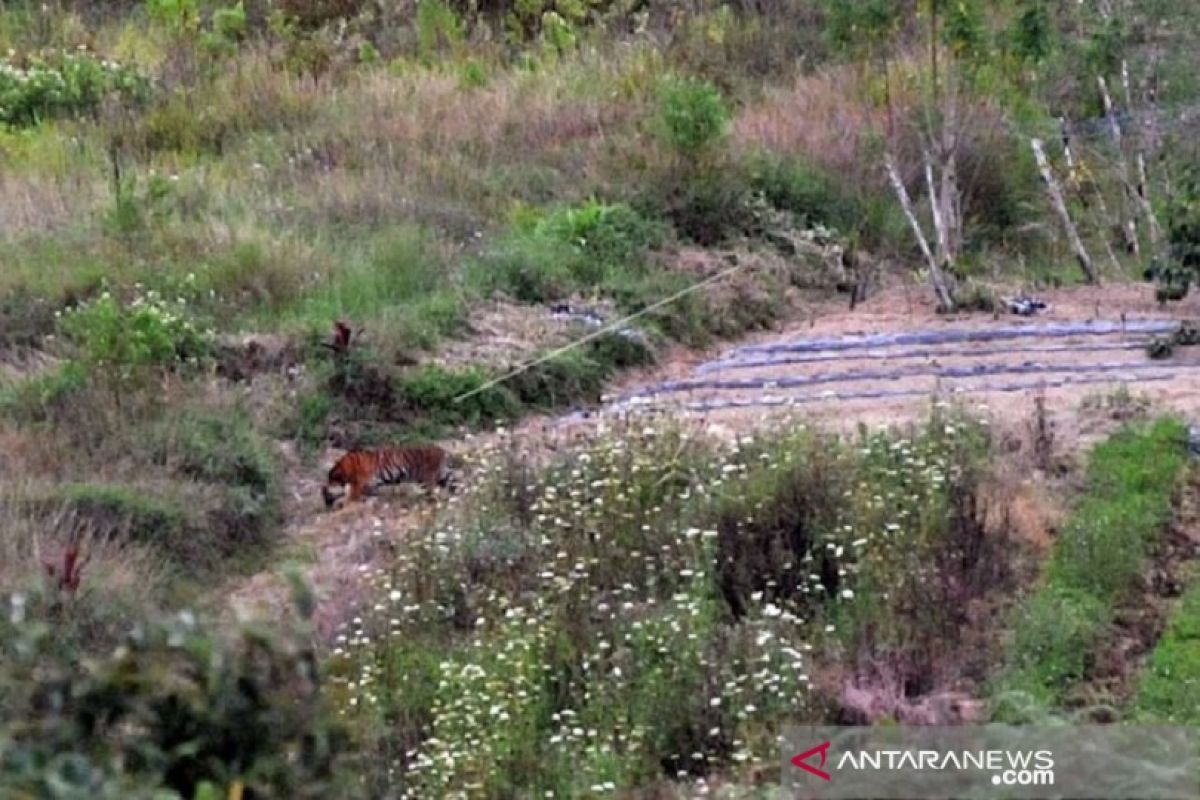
335, 487
331, 495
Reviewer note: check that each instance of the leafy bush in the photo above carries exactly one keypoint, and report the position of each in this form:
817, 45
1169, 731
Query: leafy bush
430, 392
1183, 221
706, 206
813, 196
218, 446
173, 712
549, 256
63, 83
116, 340
693, 116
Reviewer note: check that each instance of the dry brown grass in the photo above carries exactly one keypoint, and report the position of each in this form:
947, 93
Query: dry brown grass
825, 116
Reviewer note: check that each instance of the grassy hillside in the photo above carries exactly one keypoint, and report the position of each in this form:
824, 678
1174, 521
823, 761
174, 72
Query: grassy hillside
193, 193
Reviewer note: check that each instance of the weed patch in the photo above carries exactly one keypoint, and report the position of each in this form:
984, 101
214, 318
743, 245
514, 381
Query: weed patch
1096, 560
1169, 690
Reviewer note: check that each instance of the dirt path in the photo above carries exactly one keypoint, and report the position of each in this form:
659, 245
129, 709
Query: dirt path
878, 365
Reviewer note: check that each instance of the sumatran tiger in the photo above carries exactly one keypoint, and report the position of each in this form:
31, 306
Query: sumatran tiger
363, 471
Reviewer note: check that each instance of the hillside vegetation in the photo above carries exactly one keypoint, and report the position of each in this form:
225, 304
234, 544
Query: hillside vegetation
195, 194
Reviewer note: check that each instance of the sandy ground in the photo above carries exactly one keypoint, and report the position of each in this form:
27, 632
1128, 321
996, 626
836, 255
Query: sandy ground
848, 381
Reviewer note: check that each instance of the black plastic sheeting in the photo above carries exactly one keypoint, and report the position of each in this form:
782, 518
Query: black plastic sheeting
1049, 330
873, 355
846, 376
881, 394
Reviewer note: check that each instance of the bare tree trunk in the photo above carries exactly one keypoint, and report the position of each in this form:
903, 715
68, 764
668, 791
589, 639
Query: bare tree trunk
1074, 184
1129, 223
1140, 160
937, 278
1056, 199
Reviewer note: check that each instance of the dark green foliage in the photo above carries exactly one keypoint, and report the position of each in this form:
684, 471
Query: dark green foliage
707, 207
815, 197
963, 29
1183, 221
578, 376
1032, 33
861, 23
61, 83
1106, 46
174, 712
1174, 278
428, 395
550, 255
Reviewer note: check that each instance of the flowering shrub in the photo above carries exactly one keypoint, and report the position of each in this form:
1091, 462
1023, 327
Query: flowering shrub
149, 331
63, 83
650, 605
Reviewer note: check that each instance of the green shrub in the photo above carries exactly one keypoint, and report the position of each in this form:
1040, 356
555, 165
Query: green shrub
438, 27
116, 340
548, 256
173, 712
706, 206
1054, 644
429, 394
603, 235
693, 116
813, 196
63, 83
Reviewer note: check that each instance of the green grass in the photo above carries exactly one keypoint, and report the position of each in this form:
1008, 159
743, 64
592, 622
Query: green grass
1096, 561
1169, 690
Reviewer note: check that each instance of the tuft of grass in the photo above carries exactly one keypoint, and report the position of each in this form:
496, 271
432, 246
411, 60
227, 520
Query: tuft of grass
1096, 560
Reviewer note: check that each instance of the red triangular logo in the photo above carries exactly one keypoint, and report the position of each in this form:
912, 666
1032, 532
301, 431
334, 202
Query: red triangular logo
803, 757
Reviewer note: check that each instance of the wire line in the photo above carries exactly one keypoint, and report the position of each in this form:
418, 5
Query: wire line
600, 332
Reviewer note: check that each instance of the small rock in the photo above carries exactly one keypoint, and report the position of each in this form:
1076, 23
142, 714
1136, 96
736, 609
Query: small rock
1194, 439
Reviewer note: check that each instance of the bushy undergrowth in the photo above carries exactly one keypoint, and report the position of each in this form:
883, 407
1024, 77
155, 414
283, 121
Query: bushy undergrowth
646, 607
115, 340
60, 83
175, 711
549, 256
1096, 561
358, 402
198, 486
